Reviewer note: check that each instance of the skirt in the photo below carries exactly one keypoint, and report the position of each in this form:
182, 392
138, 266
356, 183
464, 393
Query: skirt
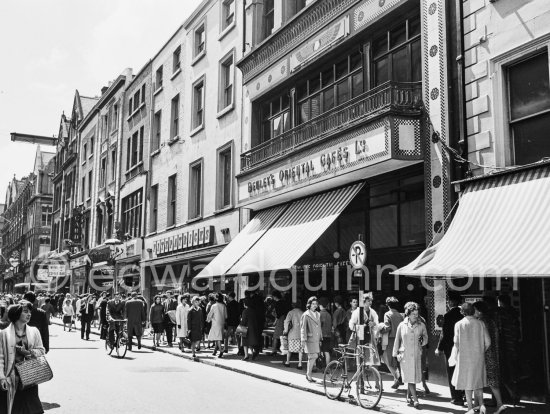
25, 401
295, 346
158, 327
326, 345
67, 318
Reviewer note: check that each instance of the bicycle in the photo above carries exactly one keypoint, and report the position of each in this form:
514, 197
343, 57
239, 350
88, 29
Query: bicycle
367, 378
121, 339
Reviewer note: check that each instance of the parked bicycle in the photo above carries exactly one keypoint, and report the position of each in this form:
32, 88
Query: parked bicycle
368, 382
121, 339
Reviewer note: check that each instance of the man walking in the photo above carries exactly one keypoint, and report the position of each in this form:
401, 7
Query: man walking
136, 318
39, 320
170, 304
87, 309
446, 342
233, 319
392, 319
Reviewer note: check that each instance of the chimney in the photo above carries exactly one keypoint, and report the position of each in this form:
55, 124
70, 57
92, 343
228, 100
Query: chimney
104, 89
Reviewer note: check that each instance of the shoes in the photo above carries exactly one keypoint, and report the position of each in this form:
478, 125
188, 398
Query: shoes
395, 384
245, 358
129, 349
272, 354
299, 367
286, 364
254, 356
169, 345
460, 403
221, 355
416, 405
309, 379
139, 346
214, 353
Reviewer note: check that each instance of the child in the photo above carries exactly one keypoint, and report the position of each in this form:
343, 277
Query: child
326, 329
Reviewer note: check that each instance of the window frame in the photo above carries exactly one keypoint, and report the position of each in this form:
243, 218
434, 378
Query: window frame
225, 26
157, 131
194, 126
223, 85
171, 204
175, 117
265, 17
154, 201
220, 182
130, 207
176, 63
199, 54
194, 201
159, 78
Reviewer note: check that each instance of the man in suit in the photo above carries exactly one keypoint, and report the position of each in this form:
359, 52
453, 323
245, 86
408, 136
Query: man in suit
39, 320
136, 318
170, 304
87, 309
115, 312
446, 342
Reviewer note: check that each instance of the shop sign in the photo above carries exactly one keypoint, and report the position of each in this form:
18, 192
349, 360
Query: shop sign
132, 248
42, 275
57, 270
321, 266
78, 262
357, 254
185, 240
357, 152
100, 254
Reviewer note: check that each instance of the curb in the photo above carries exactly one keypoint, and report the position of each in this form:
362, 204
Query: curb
244, 372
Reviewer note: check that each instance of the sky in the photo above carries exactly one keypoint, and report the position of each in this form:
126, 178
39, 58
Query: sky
50, 48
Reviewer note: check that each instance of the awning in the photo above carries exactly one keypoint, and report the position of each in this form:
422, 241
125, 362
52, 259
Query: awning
295, 231
246, 238
501, 229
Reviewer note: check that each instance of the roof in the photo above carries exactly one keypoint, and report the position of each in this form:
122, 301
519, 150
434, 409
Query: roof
87, 104
510, 170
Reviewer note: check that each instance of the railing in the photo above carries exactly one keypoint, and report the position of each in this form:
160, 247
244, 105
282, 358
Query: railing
390, 96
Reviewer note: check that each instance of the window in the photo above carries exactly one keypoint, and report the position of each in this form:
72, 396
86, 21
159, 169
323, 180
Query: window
397, 55
137, 100
529, 112
84, 152
114, 118
130, 106
158, 78
226, 82
176, 60
172, 193
143, 93
200, 40
195, 193
91, 146
397, 213
228, 13
198, 104
154, 207
99, 227
175, 122
332, 86
155, 145
131, 214
102, 172
47, 215
134, 153
83, 188
113, 165
225, 176
90, 178
275, 117
268, 17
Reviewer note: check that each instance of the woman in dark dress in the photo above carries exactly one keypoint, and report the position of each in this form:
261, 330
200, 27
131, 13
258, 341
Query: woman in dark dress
28, 344
195, 323
156, 319
251, 340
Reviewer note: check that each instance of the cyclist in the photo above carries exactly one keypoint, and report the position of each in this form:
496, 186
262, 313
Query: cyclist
115, 314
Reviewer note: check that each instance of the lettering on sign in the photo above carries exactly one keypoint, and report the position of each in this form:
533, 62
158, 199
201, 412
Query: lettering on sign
203, 236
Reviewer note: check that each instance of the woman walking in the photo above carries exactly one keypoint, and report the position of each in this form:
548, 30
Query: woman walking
354, 303
311, 335
410, 337
18, 342
156, 319
195, 324
181, 319
292, 331
217, 317
492, 354
68, 314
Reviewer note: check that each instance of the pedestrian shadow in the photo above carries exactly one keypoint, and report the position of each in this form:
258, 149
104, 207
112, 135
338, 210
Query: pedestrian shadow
49, 406
440, 409
128, 358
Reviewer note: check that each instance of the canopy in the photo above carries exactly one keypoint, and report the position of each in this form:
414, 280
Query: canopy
501, 229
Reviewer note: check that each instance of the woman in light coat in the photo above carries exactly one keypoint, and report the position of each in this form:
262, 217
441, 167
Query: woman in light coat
181, 319
410, 337
291, 330
217, 317
17, 342
311, 335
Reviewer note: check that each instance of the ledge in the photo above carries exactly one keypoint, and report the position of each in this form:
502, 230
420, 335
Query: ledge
226, 110
155, 152
157, 91
194, 220
135, 167
136, 111
224, 209
176, 73
173, 140
225, 31
197, 130
198, 57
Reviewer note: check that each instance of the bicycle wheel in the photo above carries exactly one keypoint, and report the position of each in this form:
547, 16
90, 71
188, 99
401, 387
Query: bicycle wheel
369, 387
122, 345
108, 347
333, 379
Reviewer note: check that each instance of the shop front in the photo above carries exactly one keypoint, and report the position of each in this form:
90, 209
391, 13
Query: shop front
127, 268
498, 244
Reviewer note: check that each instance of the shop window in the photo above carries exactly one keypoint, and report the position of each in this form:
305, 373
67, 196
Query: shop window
396, 54
383, 227
529, 112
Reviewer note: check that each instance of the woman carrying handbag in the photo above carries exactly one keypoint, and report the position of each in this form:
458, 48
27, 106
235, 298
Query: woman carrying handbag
18, 342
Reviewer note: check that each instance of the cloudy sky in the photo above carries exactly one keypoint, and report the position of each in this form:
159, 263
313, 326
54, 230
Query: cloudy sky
49, 48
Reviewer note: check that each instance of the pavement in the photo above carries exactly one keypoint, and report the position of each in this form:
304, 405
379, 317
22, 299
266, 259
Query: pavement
271, 369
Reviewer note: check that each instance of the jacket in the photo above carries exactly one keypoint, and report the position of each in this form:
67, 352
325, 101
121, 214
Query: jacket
115, 310
39, 320
292, 323
310, 331
446, 339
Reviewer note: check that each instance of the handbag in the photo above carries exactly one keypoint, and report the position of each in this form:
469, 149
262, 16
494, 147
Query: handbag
33, 371
400, 354
241, 330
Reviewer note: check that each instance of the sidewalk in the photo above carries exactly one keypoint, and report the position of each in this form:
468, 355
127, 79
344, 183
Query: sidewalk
271, 368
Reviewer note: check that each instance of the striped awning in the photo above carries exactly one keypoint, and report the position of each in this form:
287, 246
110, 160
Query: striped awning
295, 231
501, 229
246, 238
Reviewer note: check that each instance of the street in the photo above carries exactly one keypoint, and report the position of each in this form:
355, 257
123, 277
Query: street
87, 380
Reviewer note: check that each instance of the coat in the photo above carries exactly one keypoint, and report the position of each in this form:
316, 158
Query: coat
310, 332
181, 320
217, 317
195, 324
39, 320
446, 338
7, 355
292, 323
115, 310
370, 316
249, 318
409, 340
135, 315
471, 340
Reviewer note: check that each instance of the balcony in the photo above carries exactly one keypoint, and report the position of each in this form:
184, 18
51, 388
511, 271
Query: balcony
388, 98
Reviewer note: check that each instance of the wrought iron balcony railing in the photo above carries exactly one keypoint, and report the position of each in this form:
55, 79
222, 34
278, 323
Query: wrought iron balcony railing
390, 97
